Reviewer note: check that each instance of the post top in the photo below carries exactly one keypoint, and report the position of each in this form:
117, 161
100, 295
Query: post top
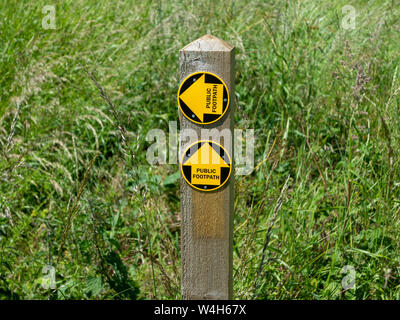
208, 43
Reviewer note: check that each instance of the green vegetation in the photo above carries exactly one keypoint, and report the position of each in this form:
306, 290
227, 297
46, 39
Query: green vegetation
324, 103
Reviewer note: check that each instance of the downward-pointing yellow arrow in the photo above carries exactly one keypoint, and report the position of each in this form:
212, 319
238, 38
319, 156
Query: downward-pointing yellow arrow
202, 98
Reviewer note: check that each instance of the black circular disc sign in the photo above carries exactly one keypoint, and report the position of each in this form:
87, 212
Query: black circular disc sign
203, 97
205, 165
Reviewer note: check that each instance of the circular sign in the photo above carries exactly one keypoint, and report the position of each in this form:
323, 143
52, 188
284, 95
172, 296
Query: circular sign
203, 97
205, 165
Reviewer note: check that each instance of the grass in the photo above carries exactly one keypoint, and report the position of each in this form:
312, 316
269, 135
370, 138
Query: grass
324, 104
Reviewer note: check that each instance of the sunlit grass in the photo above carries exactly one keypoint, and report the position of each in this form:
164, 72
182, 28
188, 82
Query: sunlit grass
324, 105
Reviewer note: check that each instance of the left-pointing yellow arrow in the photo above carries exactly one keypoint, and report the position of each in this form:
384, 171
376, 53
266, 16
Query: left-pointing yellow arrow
204, 98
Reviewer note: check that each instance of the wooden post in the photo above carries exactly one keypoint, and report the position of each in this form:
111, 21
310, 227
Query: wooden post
207, 217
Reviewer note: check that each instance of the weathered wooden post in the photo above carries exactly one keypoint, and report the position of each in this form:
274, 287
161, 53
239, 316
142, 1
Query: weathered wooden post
206, 101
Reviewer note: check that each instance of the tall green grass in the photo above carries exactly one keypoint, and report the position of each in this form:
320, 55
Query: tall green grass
324, 103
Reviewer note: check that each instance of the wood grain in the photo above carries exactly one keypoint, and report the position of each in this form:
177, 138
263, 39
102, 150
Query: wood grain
207, 217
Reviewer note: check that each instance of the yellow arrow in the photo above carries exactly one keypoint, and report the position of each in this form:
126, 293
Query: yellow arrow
202, 97
206, 166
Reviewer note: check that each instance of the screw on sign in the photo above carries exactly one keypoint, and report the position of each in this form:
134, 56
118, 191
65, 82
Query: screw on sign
206, 166
203, 98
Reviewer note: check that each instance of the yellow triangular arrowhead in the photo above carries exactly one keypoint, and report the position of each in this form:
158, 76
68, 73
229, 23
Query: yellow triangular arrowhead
206, 156
202, 97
